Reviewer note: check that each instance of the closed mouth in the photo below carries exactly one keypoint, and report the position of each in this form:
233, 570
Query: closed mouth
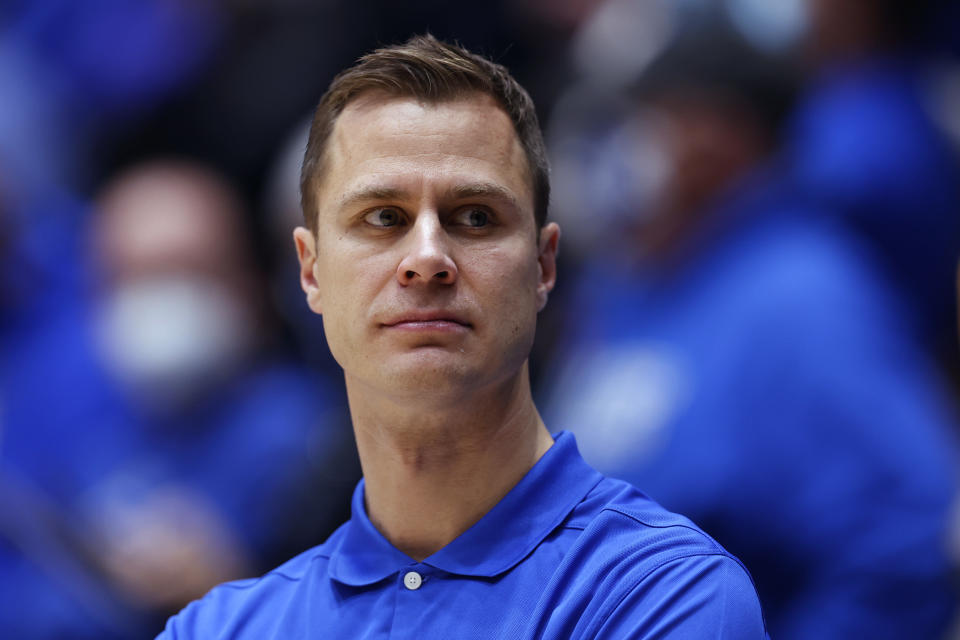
427, 320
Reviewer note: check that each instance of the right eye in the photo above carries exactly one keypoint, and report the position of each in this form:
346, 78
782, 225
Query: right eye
383, 217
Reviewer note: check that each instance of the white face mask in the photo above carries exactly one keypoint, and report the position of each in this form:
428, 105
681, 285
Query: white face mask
169, 336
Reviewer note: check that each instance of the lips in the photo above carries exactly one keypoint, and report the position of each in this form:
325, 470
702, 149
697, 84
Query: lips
427, 320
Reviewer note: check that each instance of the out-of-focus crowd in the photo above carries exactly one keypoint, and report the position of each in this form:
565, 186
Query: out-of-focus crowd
755, 321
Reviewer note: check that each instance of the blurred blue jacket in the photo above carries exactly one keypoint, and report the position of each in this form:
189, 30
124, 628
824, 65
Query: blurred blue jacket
69, 439
864, 147
768, 389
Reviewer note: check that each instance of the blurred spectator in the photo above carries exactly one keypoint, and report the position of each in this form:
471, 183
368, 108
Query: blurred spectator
864, 147
184, 327
166, 447
738, 355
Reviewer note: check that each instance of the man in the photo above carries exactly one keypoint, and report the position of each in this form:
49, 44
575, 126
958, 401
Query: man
427, 253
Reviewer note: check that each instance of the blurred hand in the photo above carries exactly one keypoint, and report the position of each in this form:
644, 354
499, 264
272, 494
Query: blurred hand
169, 549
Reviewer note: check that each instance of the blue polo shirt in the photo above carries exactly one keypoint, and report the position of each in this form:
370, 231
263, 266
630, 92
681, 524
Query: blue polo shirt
566, 554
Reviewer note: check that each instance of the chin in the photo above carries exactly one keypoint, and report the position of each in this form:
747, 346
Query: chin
431, 366
429, 372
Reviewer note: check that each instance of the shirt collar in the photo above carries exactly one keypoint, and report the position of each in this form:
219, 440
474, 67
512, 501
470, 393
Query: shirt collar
542, 499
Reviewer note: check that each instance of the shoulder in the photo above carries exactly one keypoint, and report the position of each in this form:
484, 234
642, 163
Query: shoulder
616, 517
248, 608
648, 569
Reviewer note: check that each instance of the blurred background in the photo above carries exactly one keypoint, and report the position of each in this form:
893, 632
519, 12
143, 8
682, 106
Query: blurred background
755, 322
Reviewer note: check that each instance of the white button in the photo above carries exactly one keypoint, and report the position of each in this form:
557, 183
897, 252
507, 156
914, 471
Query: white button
412, 580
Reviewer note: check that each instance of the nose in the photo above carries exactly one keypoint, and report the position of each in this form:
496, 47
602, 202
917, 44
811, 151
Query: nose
427, 258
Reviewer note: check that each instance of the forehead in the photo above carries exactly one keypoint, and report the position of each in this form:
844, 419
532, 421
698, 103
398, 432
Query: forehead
398, 142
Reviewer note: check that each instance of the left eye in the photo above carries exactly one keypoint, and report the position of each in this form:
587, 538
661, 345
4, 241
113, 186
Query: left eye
473, 218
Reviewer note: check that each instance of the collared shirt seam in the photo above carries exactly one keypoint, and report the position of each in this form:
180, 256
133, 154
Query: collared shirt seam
252, 582
560, 524
534, 543
603, 620
692, 528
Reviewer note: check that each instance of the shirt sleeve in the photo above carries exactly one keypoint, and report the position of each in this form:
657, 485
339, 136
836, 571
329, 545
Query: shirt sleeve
201, 619
693, 598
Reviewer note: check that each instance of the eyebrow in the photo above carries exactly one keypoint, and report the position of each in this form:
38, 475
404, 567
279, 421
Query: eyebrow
376, 193
484, 190
370, 194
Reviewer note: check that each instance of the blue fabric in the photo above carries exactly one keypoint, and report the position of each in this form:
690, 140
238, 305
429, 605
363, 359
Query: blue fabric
766, 388
61, 426
566, 554
70, 443
68, 434
863, 146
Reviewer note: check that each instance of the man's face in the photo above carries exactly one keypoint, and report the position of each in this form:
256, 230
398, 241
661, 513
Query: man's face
427, 266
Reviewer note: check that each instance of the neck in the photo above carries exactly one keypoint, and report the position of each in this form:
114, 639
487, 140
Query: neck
433, 471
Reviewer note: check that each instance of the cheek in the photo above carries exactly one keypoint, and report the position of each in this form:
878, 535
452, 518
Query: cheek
348, 271
347, 291
511, 279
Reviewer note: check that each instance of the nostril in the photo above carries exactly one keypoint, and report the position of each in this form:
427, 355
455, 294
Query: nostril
442, 275
410, 275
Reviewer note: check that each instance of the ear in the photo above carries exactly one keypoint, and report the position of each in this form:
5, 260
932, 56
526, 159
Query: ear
547, 262
306, 246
